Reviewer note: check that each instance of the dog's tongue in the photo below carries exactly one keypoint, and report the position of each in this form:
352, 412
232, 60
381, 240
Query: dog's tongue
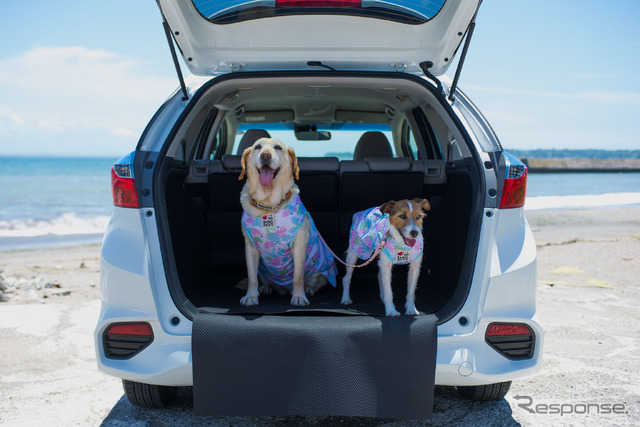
266, 176
410, 242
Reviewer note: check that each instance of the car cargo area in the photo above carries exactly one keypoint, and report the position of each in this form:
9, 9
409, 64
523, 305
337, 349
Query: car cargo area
197, 196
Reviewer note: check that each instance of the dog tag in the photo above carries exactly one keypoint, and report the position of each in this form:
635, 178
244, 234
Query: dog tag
268, 220
402, 256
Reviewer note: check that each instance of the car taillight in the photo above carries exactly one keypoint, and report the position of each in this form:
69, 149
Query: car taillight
514, 341
514, 186
123, 184
318, 3
502, 329
142, 329
125, 340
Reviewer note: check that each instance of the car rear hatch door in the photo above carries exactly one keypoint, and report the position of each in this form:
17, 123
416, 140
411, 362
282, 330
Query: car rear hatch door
380, 35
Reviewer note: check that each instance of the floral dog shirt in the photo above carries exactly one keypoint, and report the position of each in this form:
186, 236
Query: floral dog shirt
369, 228
273, 235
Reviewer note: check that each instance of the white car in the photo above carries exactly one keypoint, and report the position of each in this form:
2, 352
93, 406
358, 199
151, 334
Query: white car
357, 88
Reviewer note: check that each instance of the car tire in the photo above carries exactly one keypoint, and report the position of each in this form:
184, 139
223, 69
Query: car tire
148, 396
485, 392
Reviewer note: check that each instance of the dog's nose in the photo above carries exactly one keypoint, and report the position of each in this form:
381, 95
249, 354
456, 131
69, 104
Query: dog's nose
265, 156
414, 233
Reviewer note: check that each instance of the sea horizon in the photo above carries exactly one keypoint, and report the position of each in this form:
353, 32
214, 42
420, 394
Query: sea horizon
54, 201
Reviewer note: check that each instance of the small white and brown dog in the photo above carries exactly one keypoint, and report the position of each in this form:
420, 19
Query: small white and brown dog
282, 245
400, 223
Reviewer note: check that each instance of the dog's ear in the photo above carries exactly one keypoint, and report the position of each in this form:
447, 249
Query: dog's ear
245, 159
294, 162
387, 207
423, 203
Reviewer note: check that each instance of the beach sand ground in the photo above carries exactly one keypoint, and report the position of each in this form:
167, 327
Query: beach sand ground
588, 300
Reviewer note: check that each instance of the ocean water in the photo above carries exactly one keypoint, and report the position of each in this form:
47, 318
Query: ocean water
582, 190
54, 201
48, 200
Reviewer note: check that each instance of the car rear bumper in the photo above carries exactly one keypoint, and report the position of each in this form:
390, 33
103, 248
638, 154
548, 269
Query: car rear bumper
462, 360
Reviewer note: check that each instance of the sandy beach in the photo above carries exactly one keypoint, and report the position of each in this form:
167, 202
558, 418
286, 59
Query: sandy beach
588, 298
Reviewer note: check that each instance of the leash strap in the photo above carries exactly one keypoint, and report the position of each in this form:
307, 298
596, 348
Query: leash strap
367, 262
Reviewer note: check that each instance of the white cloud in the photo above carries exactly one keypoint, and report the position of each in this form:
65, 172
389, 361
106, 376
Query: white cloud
78, 72
14, 117
74, 93
125, 133
55, 125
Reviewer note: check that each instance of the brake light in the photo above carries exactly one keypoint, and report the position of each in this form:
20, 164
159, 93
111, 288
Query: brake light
502, 329
140, 329
318, 3
124, 340
515, 341
123, 185
514, 186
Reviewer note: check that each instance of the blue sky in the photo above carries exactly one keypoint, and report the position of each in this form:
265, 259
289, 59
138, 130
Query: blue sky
83, 78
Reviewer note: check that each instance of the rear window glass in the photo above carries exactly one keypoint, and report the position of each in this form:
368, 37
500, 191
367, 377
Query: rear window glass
230, 11
341, 142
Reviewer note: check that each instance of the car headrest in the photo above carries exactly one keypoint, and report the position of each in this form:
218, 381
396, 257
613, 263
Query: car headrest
249, 137
372, 144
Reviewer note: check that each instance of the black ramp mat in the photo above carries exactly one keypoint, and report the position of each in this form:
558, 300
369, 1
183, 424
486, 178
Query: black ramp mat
314, 365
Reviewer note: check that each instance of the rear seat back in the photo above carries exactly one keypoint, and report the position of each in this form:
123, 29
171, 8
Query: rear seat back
319, 189
331, 190
374, 181
224, 213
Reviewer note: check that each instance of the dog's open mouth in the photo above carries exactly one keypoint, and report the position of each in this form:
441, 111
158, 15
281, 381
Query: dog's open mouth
267, 175
409, 242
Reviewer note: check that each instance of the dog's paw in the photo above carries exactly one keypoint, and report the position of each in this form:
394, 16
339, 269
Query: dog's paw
346, 301
393, 312
313, 283
299, 300
411, 309
265, 290
249, 300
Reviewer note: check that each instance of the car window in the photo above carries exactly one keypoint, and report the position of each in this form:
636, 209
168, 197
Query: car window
406, 11
412, 144
342, 143
454, 153
218, 146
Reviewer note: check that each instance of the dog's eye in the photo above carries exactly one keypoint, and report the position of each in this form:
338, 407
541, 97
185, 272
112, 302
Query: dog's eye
277, 147
258, 147
402, 216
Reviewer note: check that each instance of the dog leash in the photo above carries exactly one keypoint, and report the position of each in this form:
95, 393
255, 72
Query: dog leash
286, 199
367, 262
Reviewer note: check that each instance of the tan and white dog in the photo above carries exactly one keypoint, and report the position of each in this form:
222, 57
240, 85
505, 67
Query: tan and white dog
282, 248
404, 244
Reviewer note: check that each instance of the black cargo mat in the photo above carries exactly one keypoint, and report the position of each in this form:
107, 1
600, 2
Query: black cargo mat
225, 298
314, 365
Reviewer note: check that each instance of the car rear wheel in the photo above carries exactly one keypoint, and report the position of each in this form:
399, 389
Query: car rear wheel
148, 396
485, 392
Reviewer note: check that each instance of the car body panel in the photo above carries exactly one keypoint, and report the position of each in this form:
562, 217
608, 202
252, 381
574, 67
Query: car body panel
462, 360
342, 42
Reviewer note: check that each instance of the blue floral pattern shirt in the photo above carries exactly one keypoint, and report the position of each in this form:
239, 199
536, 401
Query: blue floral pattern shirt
368, 230
273, 235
